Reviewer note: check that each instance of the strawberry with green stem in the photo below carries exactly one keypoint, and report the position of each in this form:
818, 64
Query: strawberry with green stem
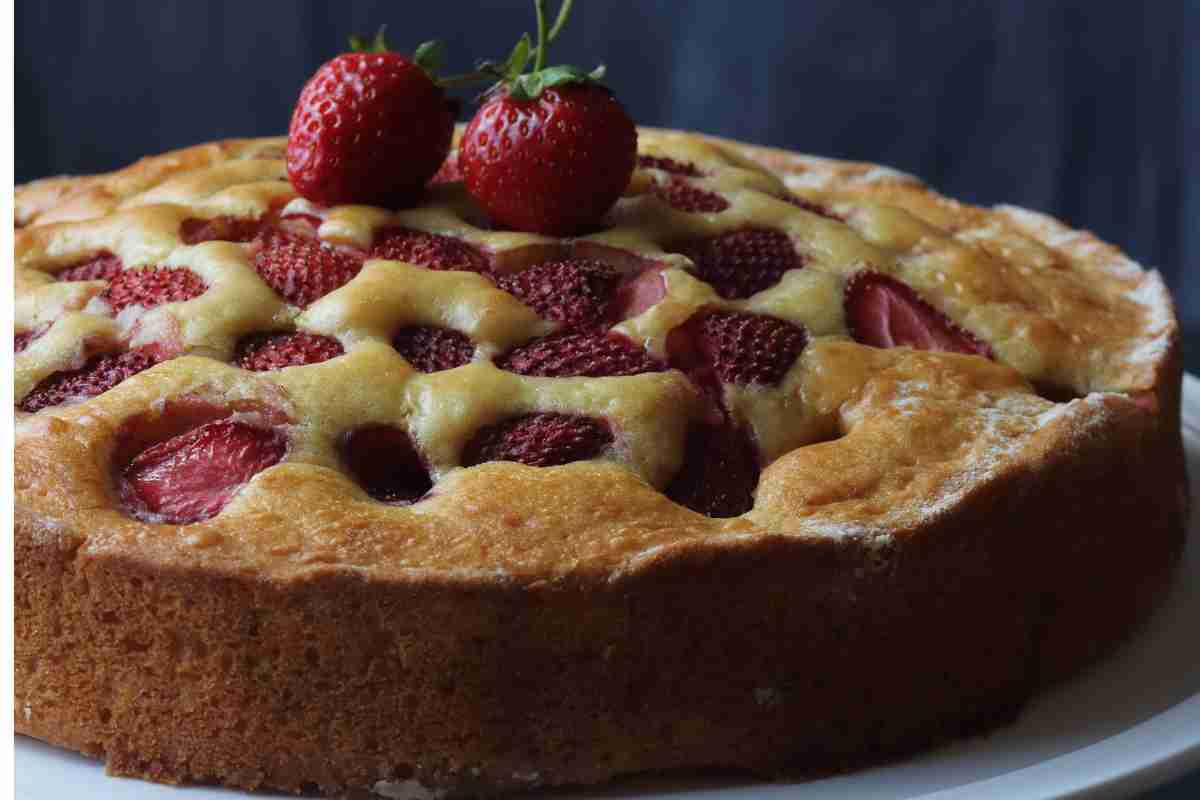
550, 150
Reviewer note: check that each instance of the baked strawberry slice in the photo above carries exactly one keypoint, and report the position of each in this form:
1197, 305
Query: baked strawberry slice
23, 339
575, 292
152, 287
190, 477
719, 473
386, 463
735, 347
262, 352
542, 439
95, 377
103, 267
808, 205
637, 294
883, 312
670, 165
431, 349
303, 270
742, 262
591, 353
682, 196
195, 230
430, 250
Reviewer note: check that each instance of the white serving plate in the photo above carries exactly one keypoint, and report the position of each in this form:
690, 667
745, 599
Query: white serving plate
1129, 723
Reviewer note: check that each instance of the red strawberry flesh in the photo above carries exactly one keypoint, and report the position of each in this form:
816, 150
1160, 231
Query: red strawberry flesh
575, 292
593, 354
542, 439
669, 165
719, 473
810, 206
735, 347
261, 352
103, 267
152, 287
190, 477
303, 270
682, 196
386, 463
224, 228
431, 349
430, 250
95, 377
637, 294
883, 312
742, 262
24, 339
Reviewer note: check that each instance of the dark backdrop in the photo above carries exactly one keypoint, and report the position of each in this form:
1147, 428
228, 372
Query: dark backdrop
1084, 109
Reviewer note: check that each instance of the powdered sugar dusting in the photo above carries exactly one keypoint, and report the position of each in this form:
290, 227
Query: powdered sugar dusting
1151, 294
1081, 244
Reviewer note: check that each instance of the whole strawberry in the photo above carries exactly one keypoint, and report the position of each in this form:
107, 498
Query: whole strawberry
370, 127
551, 150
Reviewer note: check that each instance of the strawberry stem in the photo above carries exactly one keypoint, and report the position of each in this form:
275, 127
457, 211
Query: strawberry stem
539, 60
544, 36
361, 44
511, 73
563, 12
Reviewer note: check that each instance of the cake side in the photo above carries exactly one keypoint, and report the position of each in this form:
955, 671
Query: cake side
769, 653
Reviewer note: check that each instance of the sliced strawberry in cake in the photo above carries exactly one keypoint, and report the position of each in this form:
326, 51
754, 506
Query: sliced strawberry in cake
735, 347
262, 352
742, 262
719, 473
430, 250
883, 312
592, 353
97, 376
152, 287
432, 349
103, 267
386, 463
304, 270
190, 477
575, 292
542, 439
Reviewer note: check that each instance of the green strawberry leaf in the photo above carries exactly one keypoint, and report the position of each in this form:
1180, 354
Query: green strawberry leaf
529, 87
430, 56
519, 57
360, 44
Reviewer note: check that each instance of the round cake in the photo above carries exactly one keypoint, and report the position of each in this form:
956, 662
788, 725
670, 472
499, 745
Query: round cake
790, 466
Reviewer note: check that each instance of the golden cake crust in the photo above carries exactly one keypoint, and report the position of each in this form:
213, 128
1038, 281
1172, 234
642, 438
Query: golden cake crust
930, 541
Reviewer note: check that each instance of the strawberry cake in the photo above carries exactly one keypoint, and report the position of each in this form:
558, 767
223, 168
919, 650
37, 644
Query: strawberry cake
787, 465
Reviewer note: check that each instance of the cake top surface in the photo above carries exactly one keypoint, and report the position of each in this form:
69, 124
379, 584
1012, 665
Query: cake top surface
753, 342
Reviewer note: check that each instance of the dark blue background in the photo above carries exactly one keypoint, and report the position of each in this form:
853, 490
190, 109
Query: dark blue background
1085, 109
